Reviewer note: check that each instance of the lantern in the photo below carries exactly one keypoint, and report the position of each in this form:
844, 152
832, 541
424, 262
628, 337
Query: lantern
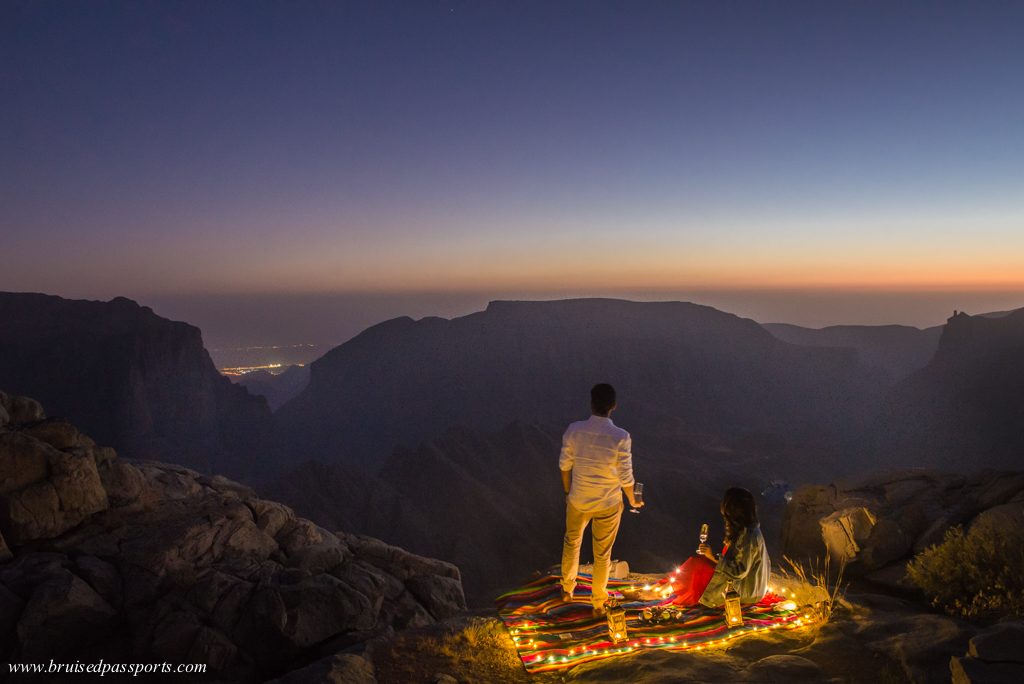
616, 622
733, 610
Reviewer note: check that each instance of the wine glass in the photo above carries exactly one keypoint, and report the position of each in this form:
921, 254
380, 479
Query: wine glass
638, 495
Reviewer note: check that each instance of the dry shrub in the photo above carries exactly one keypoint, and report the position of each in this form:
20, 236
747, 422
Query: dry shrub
977, 575
812, 586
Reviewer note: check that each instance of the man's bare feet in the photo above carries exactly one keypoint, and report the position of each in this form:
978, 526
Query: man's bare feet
600, 611
566, 597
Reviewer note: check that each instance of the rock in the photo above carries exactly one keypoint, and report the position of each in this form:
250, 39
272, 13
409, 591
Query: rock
22, 461
323, 606
920, 643
32, 513
157, 562
26, 570
298, 533
659, 667
45, 492
971, 671
443, 678
320, 558
341, 668
261, 629
886, 543
25, 410
1002, 643
784, 668
63, 616
801, 532
223, 485
212, 647
397, 561
892, 577
171, 484
102, 576
123, 483
441, 596
270, 516
10, 611
78, 487
173, 633
59, 433
1001, 490
845, 531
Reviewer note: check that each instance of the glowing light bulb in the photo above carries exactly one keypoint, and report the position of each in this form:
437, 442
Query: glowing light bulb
789, 605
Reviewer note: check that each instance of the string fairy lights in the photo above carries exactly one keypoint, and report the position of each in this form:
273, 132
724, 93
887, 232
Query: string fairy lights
550, 635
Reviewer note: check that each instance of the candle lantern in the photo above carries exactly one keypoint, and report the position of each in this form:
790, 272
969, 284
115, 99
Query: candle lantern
616, 621
733, 610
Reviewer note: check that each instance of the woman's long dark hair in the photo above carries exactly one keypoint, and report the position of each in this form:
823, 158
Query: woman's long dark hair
739, 512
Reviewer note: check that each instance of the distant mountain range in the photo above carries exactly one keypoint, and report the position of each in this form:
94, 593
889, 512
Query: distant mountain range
138, 382
681, 369
899, 350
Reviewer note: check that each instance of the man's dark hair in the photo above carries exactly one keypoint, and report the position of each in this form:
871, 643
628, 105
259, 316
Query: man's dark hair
602, 399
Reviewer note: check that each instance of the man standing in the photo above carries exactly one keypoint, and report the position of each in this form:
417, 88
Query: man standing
596, 464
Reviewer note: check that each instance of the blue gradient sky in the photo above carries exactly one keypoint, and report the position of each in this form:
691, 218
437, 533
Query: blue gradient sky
224, 149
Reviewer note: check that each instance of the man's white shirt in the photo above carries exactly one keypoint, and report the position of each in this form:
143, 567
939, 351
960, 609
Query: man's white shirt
600, 457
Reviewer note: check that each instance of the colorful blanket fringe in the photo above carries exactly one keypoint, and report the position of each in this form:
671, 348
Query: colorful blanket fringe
552, 635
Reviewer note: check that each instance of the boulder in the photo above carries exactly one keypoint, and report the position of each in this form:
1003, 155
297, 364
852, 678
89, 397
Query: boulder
155, 561
59, 433
10, 611
1001, 489
323, 606
441, 596
396, 561
298, 533
1002, 643
845, 531
270, 516
341, 668
45, 492
102, 576
321, 557
801, 531
123, 483
63, 616
887, 542
32, 513
22, 461
213, 648
78, 486
920, 643
25, 410
971, 671
784, 668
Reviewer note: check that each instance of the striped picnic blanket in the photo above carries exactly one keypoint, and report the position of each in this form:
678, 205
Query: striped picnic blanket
552, 635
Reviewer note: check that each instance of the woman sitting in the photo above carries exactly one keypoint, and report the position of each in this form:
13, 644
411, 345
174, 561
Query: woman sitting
744, 561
